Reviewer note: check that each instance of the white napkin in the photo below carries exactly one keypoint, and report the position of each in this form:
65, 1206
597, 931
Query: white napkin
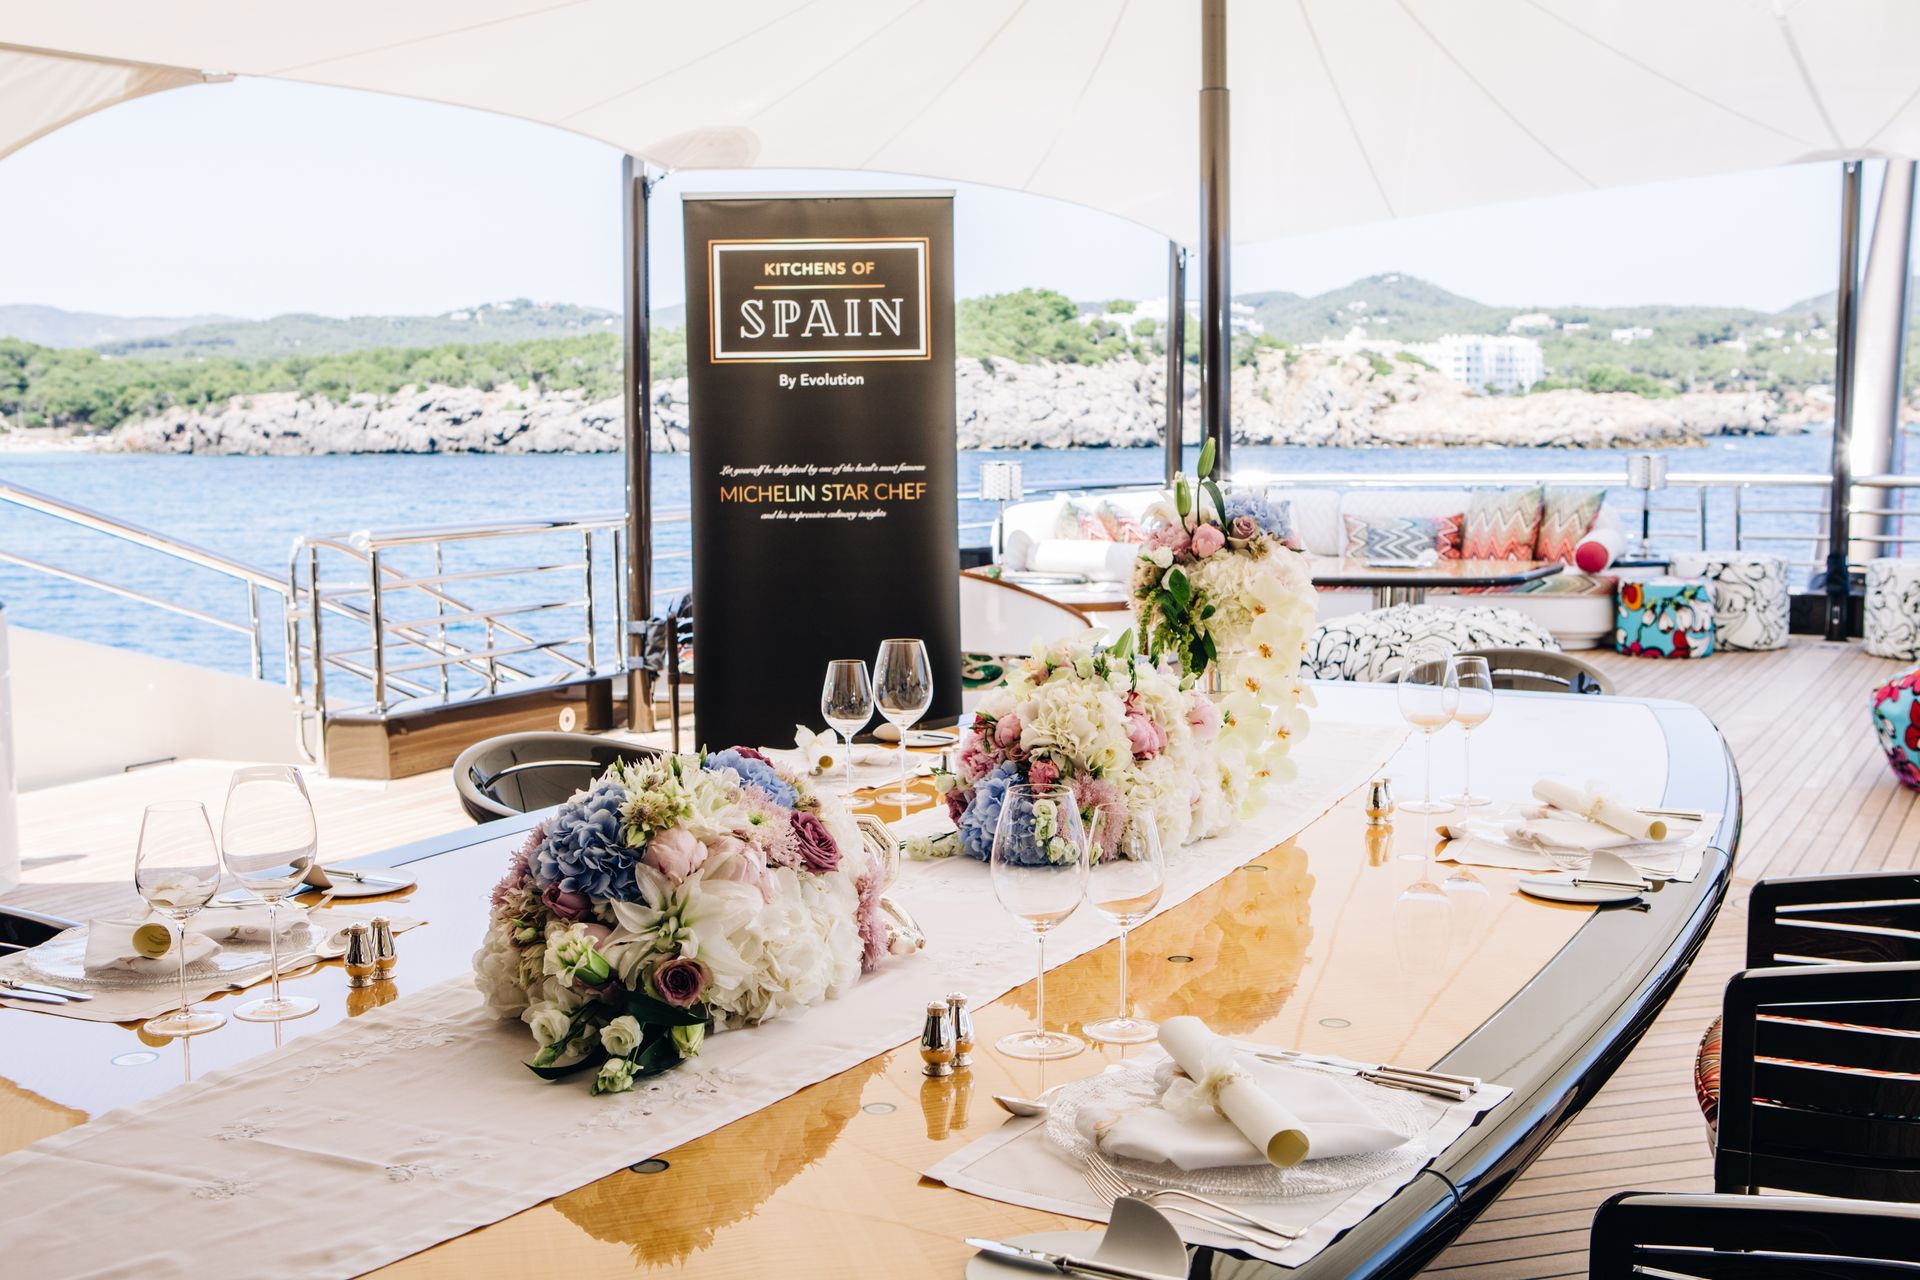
1241, 1111
245, 923
1596, 806
1565, 831
110, 949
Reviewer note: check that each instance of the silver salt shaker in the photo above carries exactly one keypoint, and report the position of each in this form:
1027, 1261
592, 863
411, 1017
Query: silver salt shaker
1379, 803
962, 1021
360, 964
936, 1041
385, 958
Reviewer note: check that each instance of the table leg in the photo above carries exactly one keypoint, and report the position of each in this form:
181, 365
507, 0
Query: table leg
1387, 597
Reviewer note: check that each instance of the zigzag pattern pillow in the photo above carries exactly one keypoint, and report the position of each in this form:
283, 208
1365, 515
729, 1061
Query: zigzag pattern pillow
1503, 524
1412, 534
1564, 520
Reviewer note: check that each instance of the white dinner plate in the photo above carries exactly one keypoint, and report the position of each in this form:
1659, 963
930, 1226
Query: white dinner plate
341, 887
1561, 888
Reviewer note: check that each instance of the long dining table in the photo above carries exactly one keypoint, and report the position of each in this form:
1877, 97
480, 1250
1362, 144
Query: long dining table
1297, 946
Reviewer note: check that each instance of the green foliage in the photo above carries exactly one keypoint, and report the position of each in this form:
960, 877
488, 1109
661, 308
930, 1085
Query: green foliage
44, 386
1382, 367
1608, 378
1033, 324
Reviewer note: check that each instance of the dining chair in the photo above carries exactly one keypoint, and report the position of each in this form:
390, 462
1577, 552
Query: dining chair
663, 638
1000, 622
1818, 1055
519, 772
1724, 1237
1542, 671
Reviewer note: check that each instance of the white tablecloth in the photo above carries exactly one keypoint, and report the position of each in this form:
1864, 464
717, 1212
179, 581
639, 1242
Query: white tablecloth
415, 1123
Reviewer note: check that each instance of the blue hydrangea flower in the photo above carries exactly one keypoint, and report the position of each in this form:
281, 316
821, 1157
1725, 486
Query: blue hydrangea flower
583, 850
1276, 520
982, 816
755, 773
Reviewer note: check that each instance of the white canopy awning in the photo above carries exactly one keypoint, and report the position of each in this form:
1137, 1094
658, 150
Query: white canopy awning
1344, 111
41, 92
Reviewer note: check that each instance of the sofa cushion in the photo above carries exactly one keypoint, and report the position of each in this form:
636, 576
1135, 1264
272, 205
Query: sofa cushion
1502, 524
1316, 518
1121, 525
1376, 644
1403, 537
1095, 561
1565, 517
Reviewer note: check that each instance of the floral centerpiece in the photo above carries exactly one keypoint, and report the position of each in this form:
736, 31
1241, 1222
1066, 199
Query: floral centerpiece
1115, 726
1218, 589
674, 896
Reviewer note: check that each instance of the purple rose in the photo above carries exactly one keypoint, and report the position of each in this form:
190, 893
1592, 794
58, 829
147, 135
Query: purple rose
817, 849
751, 754
681, 982
1244, 527
565, 903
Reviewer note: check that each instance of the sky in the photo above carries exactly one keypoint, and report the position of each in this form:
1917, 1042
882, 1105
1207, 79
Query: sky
257, 197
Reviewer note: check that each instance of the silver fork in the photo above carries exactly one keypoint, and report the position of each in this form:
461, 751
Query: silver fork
1108, 1182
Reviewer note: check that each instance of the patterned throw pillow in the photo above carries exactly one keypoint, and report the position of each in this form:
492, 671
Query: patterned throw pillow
1565, 517
1120, 526
1502, 524
1092, 527
1440, 533
1066, 521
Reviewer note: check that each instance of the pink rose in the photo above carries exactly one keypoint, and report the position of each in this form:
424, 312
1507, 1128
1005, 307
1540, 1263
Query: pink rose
675, 854
598, 932
1244, 527
1144, 736
729, 858
1044, 773
1208, 539
1006, 731
1203, 717
565, 903
817, 849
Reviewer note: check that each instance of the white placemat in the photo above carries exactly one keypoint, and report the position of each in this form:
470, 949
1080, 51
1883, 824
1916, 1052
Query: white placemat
416, 1122
1020, 1165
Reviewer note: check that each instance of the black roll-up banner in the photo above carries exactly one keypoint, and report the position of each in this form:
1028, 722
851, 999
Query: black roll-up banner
821, 395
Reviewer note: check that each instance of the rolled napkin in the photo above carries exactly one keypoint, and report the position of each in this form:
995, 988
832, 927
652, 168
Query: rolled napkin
244, 924
1227, 1109
1596, 807
134, 946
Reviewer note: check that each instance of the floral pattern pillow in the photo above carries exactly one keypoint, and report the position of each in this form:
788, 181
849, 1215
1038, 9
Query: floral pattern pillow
1566, 515
1503, 524
1442, 533
1092, 527
1120, 526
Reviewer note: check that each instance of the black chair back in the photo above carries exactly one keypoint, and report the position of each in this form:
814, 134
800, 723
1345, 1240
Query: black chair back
520, 772
1870, 918
1752, 1238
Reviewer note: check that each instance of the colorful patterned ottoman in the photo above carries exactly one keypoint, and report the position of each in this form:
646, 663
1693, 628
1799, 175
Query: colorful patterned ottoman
1374, 645
1750, 599
1664, 618
1896, 719
1893, 608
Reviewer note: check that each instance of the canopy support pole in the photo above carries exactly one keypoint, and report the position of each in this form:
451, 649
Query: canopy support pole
1845, 332
1216, 290
637, 393
1176, 337
1879, 361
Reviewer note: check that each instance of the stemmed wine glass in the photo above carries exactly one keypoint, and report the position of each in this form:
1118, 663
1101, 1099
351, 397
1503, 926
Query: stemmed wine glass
1124, 885
846, 703
269, 838
1040, 875
903, 690
177, 871
1429, 692
1474, 706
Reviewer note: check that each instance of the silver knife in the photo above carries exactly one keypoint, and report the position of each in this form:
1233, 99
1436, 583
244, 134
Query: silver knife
16, 985
1300, 1055
1064, 1263
361, 877
27, 997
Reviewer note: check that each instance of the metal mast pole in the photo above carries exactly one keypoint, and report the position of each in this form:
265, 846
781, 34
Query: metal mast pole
1216, 291
1879, 356
1176, 355
1838, 515
637, 389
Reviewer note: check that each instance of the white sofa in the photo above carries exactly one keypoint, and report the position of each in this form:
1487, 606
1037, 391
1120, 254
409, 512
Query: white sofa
1577, 608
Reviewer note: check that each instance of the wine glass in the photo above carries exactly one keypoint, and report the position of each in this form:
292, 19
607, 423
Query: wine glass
1040, 875
1475, 704
177, 871
902, 689
268, 836
1124, 885
846, 702
1428, 694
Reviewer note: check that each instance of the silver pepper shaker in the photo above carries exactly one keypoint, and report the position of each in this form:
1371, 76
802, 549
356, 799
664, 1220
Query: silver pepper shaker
962, 1021
385, 958
936, 1041
1379, 803
359, 960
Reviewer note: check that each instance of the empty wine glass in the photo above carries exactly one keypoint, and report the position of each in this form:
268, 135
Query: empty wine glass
1124, 884
269, 839
1474, 705
1428, 695
903, 690
846, 702
1040, 875
177, 871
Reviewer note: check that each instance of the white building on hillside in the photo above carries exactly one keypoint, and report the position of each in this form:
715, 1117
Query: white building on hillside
1531, 320
1155, 309
1481, 360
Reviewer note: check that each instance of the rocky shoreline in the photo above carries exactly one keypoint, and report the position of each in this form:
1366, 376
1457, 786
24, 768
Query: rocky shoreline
1296, 398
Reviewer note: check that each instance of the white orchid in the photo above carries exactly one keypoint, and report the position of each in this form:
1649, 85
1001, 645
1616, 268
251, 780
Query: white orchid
819, 751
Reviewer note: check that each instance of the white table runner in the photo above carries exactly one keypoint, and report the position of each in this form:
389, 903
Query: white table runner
416, 1122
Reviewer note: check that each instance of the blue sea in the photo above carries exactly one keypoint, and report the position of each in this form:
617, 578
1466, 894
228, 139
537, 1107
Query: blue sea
253, 509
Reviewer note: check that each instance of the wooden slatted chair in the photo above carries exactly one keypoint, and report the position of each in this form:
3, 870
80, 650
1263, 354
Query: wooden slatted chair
1819, 1054
1720, 1237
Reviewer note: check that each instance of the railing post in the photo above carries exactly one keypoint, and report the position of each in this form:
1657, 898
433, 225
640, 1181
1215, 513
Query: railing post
257, 655
593, 644
378, 643
319, 657
440, 612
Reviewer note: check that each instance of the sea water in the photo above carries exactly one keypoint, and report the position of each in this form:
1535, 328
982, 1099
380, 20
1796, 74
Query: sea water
253, 510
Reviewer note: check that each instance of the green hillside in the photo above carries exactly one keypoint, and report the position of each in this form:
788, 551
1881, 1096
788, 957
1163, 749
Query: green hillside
311, 335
